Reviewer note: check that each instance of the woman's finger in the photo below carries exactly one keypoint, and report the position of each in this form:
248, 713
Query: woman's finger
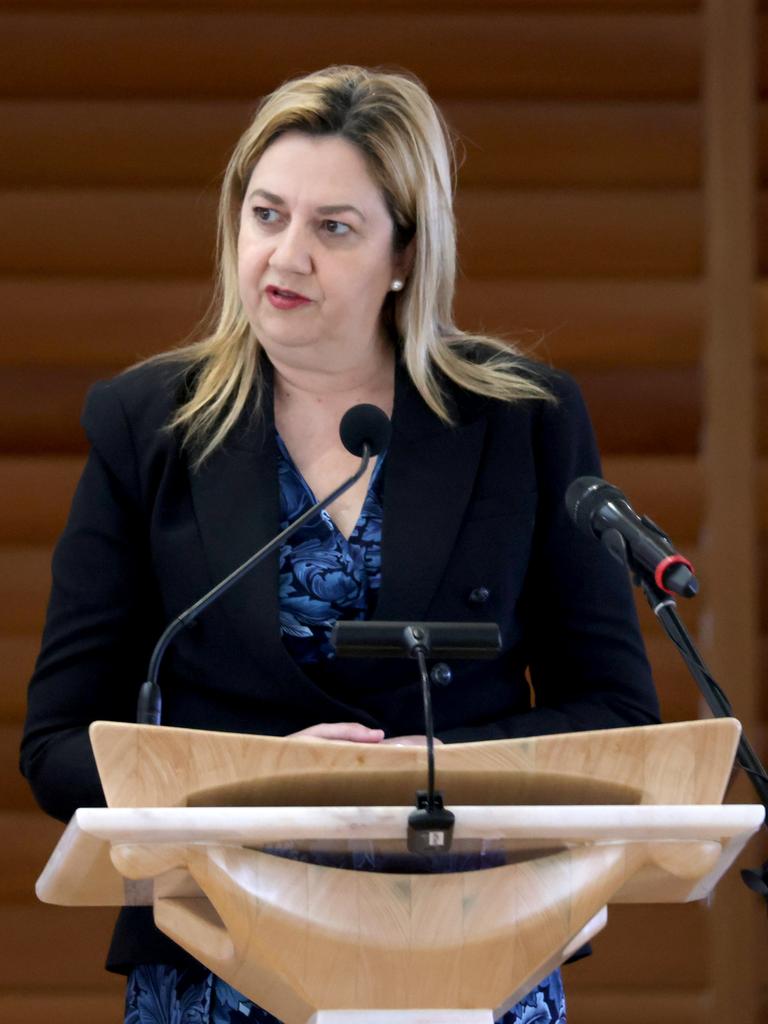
353, 732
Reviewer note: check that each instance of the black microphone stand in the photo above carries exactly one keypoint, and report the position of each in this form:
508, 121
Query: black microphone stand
430, 825
150, 700
664, 607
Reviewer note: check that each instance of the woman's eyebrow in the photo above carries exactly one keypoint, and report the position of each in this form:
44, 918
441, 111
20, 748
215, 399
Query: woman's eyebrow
340, 208
269, 196
326, 211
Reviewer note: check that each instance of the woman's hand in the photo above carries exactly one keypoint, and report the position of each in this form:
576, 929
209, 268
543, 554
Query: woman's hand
353, 732
410, 741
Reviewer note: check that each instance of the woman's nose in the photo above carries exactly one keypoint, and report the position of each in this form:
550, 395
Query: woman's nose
292, 252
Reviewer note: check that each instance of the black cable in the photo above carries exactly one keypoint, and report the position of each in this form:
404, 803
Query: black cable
426, 693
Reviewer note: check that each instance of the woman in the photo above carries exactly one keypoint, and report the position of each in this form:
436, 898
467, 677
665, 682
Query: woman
336, 276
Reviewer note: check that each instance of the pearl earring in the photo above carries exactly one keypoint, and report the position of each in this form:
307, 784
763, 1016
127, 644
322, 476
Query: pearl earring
397, 285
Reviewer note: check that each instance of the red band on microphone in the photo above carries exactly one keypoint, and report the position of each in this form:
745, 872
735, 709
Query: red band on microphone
662, 567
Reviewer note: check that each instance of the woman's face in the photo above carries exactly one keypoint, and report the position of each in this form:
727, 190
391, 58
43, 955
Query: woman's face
315, 254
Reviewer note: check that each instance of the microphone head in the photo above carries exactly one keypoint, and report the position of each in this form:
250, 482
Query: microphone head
584, 496
365, 425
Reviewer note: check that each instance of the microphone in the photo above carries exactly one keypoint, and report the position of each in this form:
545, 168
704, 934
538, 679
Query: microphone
601, 510
365, 425
364, 431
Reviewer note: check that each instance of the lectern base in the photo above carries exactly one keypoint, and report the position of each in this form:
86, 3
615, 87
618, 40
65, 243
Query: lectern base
401, 1017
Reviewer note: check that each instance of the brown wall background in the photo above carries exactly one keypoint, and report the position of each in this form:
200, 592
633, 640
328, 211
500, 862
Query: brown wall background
613, 214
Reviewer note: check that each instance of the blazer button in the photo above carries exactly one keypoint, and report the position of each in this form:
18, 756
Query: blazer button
479, 595
441, 674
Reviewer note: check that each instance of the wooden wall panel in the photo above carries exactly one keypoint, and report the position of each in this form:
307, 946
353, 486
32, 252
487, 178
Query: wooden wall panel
440, 6
43, 1004
171, 232
618, 402
16, 793
71, 321
56, 949
93, 322
51, 423
207, 53
525, 144
42, 489
17, 659
582, 223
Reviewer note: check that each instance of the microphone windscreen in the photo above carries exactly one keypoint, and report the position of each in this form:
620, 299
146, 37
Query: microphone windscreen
365, 424
585, 495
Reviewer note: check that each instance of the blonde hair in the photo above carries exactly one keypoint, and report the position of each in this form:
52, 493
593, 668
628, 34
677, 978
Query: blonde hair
409, 152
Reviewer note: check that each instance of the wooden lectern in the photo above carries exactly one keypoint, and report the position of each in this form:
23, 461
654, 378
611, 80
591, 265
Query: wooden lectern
218, 832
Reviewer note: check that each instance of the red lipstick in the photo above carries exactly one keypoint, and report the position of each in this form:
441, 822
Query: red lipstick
283, 298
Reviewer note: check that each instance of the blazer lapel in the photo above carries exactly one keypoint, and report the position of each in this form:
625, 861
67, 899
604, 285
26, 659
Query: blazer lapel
430, 472
429, 476
236, 502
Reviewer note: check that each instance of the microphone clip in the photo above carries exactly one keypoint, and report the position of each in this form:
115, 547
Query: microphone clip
430, 826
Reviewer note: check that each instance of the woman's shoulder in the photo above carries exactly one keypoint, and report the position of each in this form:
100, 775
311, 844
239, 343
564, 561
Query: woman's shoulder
557, 388
124, 417
143, 397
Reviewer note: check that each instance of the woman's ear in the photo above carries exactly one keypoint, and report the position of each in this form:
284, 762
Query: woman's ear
403, 262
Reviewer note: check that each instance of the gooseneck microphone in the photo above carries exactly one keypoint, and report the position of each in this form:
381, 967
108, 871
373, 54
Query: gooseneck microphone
601, 510
364, 431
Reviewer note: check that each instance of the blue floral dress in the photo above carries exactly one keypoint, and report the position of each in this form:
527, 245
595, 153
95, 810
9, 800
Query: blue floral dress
324, 576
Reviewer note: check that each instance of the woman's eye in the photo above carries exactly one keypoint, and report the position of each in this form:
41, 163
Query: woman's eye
265, 215
336, 227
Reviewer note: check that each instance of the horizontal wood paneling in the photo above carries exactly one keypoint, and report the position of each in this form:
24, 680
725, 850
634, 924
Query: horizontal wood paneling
79, 1007
590, 323
42, 490
182, 142
679, 696
761, 383
618, 401
56, 948
762, 143
28, 839
667, 488
85, 322
171, 232
42, 410
109, 233
59, 143
573, 234
17, 659
301, 6
647, 947
16, 794
25, 580
761, 572
635, 1005
761, 227
92, 322
170, 142
233, 53
596, 145
761, 312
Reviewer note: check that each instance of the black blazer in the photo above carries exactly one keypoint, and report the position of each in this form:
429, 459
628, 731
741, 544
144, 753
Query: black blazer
472, 508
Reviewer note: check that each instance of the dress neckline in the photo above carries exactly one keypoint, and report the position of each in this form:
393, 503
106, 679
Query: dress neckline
364, 508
